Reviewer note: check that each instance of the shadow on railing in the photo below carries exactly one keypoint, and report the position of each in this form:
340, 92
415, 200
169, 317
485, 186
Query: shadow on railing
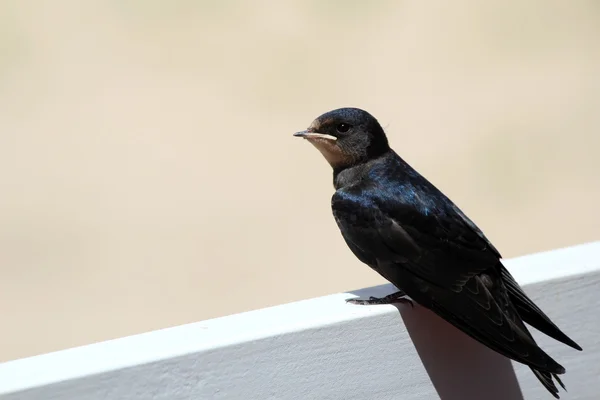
459, 367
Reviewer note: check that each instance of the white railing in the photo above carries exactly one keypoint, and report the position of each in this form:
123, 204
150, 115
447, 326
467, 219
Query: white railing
324, 348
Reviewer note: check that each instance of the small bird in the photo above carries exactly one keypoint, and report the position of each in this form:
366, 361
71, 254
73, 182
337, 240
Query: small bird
399, 224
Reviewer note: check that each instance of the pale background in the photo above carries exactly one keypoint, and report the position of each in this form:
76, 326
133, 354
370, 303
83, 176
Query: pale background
148, 176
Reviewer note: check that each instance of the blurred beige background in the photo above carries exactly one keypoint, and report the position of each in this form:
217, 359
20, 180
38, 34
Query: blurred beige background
148, 176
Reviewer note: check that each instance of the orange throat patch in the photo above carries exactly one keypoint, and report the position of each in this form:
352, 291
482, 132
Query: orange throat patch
334, 155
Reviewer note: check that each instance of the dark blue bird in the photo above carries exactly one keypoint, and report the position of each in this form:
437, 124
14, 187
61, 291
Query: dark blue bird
398, 223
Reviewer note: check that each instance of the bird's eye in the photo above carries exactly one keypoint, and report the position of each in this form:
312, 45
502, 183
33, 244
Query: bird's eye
342, 127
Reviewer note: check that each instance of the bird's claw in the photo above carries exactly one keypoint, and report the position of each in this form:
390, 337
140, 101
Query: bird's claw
395, 298
360, 302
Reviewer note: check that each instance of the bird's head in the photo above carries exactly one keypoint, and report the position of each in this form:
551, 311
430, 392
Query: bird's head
346, 137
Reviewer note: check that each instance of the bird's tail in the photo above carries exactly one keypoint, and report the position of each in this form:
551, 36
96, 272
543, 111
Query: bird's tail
546, 379
531, 314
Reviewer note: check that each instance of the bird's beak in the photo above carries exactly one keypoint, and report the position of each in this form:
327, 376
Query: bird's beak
308, 134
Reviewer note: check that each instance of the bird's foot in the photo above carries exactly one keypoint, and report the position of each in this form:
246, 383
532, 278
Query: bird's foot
394, 298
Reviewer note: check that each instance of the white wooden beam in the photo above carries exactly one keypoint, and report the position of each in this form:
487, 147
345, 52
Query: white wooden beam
324, 348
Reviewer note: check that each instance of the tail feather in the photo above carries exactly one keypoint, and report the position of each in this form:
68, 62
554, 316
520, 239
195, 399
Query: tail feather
546, 379
532, 315
562, 385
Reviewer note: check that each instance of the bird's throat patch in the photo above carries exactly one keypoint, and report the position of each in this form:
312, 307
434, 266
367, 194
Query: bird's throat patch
334, 155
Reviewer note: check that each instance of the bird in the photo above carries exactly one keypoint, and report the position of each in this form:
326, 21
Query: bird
403, 227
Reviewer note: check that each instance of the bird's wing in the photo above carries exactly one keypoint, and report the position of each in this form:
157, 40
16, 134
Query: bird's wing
456, 263
401, 232
531, 313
